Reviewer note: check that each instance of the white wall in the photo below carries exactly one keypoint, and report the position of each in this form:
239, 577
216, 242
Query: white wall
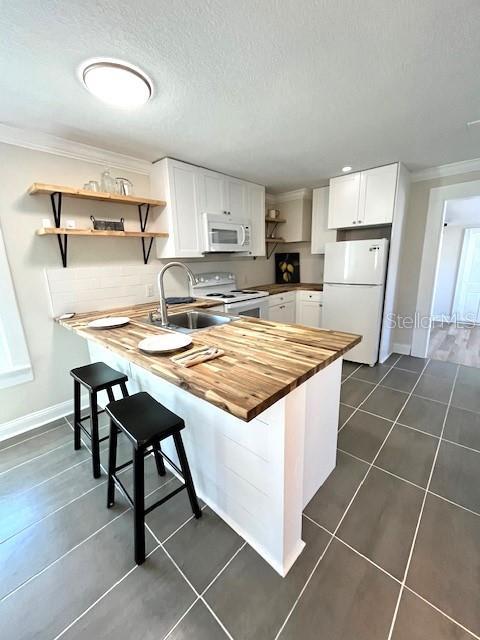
452, 240
53, 350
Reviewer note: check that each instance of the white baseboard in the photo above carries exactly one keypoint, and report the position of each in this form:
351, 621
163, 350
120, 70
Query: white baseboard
403, 349
38, 418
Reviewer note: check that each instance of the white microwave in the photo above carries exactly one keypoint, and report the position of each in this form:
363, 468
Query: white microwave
225, 234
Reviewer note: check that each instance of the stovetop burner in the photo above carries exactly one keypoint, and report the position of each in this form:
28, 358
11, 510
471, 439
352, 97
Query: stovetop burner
220, 295
244, 291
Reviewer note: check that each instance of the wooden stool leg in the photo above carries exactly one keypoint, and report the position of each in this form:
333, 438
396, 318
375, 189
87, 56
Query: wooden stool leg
138, 506
112, 464
94, 434
177, 438
77, 443
159, 459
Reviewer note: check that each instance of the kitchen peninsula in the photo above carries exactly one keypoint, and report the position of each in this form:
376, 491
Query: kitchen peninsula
261, 420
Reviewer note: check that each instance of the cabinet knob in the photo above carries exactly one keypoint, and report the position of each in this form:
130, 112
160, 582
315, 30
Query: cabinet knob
354, 222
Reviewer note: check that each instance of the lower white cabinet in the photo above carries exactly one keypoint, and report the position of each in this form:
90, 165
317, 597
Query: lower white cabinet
310, 313
284, 312
302, 307
310, 308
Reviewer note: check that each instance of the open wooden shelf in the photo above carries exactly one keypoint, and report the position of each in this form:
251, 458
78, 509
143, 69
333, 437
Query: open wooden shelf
275, 220
57, 231
276, 240
99, 196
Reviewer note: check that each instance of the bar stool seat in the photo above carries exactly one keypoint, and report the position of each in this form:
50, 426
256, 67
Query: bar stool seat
143, 419
145, 422
98, 376
95, 377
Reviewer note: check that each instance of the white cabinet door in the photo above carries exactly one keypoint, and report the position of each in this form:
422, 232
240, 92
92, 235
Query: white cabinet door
377, 195
284, 312
320, 231
236, 198
309, 313
185, 208
343, 201
256, 215
212, 192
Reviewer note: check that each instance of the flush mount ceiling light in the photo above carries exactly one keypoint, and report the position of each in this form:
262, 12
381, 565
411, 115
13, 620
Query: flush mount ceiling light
346, 169
115, 82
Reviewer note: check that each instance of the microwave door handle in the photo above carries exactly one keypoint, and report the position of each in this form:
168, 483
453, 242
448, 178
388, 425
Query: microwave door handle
244, 235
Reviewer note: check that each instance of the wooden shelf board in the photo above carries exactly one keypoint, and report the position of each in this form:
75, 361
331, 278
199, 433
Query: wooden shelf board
50, 231
274, 240
100, 196
276, 220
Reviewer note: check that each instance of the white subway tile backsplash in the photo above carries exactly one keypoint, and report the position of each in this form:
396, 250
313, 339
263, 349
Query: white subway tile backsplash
81, 289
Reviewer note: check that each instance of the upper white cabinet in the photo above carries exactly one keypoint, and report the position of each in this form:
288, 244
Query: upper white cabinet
192, 191
236, 198
365, 198
377, 195
211, 192
343, 201
178, 185
320, 231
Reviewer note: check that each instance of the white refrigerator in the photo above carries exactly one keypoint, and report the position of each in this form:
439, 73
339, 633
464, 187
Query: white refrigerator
353, 290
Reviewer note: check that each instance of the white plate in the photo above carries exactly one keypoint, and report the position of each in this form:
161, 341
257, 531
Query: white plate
165, 342
109, 323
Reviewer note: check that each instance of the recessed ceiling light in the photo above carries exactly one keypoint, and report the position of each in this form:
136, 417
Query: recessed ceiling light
346, 169
115, 82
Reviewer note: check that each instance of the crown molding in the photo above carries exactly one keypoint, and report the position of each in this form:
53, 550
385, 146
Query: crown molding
444, 170
290, 195
48, 143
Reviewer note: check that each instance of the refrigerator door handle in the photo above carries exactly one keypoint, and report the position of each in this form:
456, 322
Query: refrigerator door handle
346, 284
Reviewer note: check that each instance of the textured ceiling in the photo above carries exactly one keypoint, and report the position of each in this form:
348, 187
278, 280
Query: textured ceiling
281, 92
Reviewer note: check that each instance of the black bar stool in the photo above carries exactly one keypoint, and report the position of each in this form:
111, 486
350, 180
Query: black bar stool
95, 377
146, 423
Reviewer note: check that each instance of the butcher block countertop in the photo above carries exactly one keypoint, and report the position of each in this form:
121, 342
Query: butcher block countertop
283, 288
263, 361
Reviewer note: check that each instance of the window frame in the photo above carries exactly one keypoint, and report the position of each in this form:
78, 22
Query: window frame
13, 345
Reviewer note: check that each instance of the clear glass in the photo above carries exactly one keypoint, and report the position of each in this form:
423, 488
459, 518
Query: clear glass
108, 182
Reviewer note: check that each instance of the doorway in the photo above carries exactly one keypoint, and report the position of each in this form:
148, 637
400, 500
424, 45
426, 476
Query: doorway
455, 329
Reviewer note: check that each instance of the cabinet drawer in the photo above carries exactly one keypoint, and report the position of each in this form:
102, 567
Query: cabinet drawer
280, 298
310, 296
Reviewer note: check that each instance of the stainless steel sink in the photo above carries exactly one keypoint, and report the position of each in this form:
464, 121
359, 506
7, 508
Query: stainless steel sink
189, 321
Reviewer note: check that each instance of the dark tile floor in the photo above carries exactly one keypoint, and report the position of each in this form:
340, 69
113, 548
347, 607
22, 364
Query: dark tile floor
392, 538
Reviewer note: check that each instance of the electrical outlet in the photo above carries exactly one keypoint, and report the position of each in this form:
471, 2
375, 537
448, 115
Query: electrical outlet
70, 224
46, 223
149, 290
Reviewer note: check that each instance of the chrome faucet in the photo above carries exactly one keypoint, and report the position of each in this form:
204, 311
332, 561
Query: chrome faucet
161, 289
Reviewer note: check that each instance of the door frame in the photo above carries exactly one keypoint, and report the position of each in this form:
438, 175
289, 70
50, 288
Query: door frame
431, 256
467, 235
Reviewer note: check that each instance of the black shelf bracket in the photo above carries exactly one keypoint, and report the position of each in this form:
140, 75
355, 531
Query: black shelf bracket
270, 237
56, 200
270, 253
143, 225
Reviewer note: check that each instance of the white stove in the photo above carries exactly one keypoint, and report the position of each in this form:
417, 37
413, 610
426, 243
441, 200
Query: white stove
222, 288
